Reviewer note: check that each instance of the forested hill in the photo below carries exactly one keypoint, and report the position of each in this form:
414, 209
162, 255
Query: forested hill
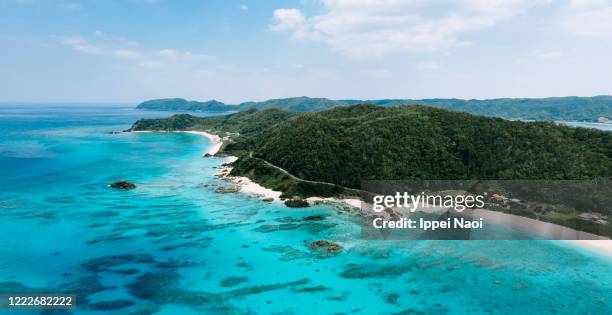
348, 144
554, 108
245, 123
299, 104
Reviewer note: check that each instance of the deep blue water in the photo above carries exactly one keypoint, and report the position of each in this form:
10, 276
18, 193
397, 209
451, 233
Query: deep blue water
175, 246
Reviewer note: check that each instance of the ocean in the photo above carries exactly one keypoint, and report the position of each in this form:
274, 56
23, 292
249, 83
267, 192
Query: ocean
175, 246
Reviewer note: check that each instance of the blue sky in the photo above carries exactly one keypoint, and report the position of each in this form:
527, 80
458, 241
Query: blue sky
133, 50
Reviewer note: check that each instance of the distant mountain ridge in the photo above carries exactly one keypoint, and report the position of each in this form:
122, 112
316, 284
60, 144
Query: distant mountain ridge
298, 104
551, 108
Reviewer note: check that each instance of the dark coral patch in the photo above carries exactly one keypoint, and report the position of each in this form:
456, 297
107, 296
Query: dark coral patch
233, 281
111, 305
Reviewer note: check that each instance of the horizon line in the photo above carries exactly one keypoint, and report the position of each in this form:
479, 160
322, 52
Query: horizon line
119, 103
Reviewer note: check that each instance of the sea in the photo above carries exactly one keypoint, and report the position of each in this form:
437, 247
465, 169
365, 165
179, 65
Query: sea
175, 246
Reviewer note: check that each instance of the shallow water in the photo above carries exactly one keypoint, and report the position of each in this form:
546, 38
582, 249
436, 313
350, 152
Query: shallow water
592, 125
174, 246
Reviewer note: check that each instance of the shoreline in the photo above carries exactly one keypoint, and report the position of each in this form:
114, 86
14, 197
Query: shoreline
601, 247
216, 141
248, 186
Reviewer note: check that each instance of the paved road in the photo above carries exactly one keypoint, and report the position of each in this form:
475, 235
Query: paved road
297, 178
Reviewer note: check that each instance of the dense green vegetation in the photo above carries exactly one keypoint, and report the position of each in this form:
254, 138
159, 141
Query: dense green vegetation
299, 104
553, 108
274, 179
245, 123
179, 104
348, 144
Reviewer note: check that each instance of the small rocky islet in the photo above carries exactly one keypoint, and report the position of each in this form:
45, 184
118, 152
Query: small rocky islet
296, 202
123, 185
326, 246
227, 189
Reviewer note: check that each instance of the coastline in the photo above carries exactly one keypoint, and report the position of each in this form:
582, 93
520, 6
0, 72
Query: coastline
586, 241
603, 247
216, 141
245, 184
248, 186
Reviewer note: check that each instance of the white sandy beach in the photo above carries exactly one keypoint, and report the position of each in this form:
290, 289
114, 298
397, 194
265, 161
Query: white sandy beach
246, 184
600, 246
589, 241
250, 187
212, 150
585, 240
216, 141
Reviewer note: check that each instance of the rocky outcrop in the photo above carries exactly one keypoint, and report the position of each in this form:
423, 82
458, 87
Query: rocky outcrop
227, 189
123, 184
325, 246
296, 202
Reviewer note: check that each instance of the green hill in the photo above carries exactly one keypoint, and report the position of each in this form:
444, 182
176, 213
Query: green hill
298, 104
347, 144
553, 108
245, 123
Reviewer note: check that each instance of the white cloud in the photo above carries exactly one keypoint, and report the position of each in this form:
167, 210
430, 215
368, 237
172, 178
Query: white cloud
580, 4
244, 7
196, 56
125, 53
171, 53
80, 44
226, 67
288, 19
167, 53
150, 64
429, 66
71, 6
589, 17
113, 46
362, 28
547, 54
379, 74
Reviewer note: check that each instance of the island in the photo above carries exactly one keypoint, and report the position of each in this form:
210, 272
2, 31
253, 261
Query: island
328, 153
571, 108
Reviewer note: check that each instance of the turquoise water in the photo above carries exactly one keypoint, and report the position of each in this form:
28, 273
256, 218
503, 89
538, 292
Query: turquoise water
174, 246
592, 125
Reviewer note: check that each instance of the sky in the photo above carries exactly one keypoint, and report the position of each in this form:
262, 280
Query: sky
233, 51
